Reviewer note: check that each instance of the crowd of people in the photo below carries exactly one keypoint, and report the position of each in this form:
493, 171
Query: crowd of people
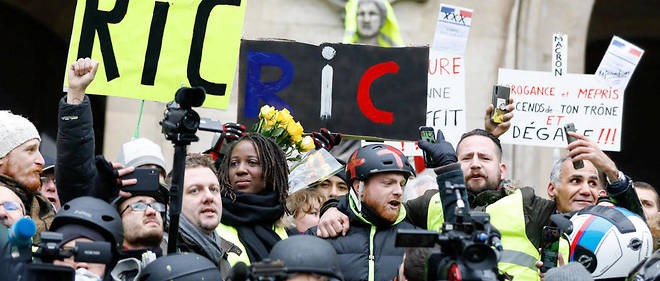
238, 220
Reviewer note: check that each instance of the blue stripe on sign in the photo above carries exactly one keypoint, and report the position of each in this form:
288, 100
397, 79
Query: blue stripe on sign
447, 10
617, 43
594, 233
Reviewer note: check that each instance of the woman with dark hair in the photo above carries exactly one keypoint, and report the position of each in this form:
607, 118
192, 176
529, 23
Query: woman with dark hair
254, 183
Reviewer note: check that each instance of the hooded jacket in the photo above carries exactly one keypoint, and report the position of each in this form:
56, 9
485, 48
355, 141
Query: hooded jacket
367, 251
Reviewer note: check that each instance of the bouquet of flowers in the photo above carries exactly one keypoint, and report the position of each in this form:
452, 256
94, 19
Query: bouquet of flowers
286, 132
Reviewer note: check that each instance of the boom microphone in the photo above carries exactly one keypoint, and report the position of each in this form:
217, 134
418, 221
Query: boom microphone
20, 234
239, 272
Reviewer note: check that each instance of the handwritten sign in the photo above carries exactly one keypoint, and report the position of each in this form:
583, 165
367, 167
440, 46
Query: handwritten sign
559, 54
446, 77
544, 103
619, 62
147, 49
353, 89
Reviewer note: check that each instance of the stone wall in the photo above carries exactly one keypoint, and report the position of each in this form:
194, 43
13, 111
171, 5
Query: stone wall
504, 33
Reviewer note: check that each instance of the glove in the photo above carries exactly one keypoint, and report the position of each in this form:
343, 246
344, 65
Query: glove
230, 133
325, 139
108, 176
442, 152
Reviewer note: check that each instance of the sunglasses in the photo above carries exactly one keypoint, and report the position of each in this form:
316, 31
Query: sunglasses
141, 206
11, 205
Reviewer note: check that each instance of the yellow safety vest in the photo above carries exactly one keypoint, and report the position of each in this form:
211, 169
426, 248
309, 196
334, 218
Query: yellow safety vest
435, 217
519, 256
230, 234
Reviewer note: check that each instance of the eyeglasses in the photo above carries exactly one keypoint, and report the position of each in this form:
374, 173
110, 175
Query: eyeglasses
45, 180
142, 206
11, 205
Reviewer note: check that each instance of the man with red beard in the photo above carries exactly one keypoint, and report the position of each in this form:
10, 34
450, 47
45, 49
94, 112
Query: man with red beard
377, 174
21, 164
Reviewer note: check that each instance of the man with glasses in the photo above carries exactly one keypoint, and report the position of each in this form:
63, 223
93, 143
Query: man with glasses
11, 207
142, 216
48, 187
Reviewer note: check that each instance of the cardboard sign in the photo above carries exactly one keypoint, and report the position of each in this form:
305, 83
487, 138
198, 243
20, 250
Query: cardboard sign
147, 49
545, 103
446, 88
353, 89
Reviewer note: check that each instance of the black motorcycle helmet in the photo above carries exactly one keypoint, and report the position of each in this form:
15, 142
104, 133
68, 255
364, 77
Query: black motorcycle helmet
181, 267
376, 158
93, 213
307, 254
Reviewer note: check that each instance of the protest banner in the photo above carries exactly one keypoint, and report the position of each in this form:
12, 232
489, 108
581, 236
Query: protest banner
148, 49
357, 90
544, 103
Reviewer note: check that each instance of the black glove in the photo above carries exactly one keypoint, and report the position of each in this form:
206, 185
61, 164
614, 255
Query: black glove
441, 152
230, 133
108, 177
326, 139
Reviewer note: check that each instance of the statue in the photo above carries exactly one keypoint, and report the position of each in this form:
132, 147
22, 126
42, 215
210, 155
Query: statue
370, 22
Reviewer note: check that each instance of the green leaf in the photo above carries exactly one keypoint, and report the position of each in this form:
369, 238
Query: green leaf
277, 132
266, 133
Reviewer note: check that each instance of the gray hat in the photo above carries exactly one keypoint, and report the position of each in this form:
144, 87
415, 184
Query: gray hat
14, 131
140, 152
568, 272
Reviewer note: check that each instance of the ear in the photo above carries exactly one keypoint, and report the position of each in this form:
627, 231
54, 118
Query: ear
602, 192
551, 191
502, 171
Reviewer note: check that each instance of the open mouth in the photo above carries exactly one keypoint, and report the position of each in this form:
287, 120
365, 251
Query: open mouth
394, 204
208, 211
51, 199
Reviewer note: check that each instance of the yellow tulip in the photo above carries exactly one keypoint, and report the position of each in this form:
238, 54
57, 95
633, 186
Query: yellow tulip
296, 138
267, 112
284, 116
307, 144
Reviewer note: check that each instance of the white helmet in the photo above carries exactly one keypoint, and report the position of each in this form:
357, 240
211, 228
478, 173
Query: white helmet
609, 241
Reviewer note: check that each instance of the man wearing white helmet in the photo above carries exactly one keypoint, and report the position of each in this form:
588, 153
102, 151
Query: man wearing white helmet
21, 164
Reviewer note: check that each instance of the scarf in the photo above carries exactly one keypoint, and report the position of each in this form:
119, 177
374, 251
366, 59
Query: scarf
253, 216
209, 244
36, 205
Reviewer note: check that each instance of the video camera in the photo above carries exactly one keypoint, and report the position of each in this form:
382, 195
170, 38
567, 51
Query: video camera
25, 265
469, 244
265, 270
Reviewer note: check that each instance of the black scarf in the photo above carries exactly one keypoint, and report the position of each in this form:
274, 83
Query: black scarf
253, 216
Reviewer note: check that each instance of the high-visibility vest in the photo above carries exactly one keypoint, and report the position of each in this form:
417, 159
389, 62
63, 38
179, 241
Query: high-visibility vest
519, 255
230, 234
435, 217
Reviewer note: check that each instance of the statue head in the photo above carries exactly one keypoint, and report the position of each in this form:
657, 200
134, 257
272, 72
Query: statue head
371, 16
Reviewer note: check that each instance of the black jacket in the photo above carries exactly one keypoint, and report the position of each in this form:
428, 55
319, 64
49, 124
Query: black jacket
354, 248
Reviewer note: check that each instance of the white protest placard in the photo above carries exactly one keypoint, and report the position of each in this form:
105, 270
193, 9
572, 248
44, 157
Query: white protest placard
446, 80
619, 62
545, 103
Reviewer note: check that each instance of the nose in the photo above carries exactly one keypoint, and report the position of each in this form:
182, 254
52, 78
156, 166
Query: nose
397, 190
40, 159
81, 265
334, 191
474, 162
150, 211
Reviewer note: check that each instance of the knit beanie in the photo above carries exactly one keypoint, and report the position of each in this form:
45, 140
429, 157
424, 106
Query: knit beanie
14, 131
141, 152
568, 272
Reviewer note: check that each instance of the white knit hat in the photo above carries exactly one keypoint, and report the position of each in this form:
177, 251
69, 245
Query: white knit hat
141, 152
14, 131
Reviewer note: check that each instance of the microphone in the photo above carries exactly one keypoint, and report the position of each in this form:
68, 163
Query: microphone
21, 232
239, 272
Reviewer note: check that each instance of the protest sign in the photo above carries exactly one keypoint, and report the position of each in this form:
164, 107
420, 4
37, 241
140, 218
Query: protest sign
148, 49
559, 54
446, 76
545, 103
619, 62
374, 91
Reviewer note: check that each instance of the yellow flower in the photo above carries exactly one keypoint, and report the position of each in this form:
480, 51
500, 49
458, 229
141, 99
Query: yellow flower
284, 117
296, 138
294, 129
306, 144
267, 112
269, 124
